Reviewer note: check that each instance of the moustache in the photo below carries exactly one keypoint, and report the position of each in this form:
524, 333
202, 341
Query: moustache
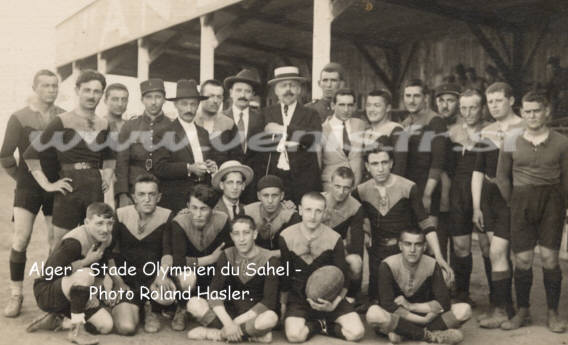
188, 113
244, 99
288, 94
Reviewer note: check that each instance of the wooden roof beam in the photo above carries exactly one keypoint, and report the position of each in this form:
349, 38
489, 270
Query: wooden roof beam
375, 66
490, 50
469, 16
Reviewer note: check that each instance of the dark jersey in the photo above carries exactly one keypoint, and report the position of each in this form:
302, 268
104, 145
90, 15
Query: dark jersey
270, 227
347, 219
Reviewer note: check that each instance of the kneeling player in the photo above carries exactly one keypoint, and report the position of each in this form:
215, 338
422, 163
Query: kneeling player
142, 236
305, 247
345, 215
199, 234
251, 317
68, 291
414, 300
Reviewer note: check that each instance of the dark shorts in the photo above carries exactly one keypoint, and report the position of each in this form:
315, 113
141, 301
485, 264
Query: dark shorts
421, 182
305, 311
376, 255
33, 200
69, 210
51, 299
496, 213
537, 217
461, 208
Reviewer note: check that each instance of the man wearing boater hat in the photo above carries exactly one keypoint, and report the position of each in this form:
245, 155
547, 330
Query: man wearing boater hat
231, 179
184, 156
136, 138
242, 87
295, 133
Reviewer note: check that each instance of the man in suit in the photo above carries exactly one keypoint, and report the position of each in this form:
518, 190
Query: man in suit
342, 139
183, 156
242, 87
231, 179
294, 132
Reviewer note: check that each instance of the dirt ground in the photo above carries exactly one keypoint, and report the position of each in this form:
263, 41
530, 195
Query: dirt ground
12, 331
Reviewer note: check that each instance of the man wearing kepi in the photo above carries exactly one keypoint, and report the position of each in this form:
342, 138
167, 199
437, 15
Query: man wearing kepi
294, 131
249, 318
142, 240
29, 197
136, 138
306, 247
77, 144
414, 300
537, 160
68, 291
184, 156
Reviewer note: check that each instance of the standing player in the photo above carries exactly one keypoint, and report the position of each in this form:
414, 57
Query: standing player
68, 292
250, 318
306, 247
142, 235
491, 214
414, 300
463, 135
29, 197
537, 160
77, 144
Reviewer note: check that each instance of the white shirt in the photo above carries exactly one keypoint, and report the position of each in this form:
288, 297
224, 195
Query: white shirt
229, 205
337, 129
287, 118
237, 115
191, 133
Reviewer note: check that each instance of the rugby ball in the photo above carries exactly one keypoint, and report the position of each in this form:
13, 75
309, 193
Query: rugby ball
326, 282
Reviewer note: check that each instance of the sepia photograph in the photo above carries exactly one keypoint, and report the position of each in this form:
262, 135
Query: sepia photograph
284, 171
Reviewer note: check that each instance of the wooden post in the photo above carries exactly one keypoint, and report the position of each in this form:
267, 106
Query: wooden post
321, 46
143, 60
207, 48
101, 63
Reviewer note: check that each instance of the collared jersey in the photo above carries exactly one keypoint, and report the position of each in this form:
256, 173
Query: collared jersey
269, 228
347, 219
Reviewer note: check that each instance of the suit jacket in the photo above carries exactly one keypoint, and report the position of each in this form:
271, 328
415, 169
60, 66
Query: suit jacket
332, 153
223, 137
222, 207
305, 128
172, 156
251, 157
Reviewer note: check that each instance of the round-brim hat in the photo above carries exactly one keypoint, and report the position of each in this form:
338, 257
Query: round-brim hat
287, 73
232, 166
249, 76
186, 89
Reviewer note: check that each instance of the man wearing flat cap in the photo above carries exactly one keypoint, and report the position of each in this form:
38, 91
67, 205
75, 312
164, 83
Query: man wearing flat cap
135, 154
331, 80
294, 132
184, 156
242, 88
231, 179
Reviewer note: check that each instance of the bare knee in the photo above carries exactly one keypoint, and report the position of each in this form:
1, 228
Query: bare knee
296, 332
125, 327
549, 259
266, 320
187, 281
102, 321
523, 262
355, 265
353, 330
462, 246
461, 311
197, 307
83, 277
378, 317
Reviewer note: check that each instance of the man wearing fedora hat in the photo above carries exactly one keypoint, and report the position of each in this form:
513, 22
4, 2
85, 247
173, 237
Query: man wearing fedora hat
184, 155
231, 179
136, 138
242, 87
295, 133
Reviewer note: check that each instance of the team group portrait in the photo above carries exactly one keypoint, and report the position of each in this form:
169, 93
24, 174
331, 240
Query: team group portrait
291, 171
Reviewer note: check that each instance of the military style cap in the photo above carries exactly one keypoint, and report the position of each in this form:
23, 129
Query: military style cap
450, 88
269, 181
152, 84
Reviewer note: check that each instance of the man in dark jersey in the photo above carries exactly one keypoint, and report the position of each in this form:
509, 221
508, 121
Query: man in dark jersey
305, 247
532, 175
269, 214
491, 214
414, 300
141, 235
68, 291
239, 319
392, 204
76, 145
463, 135
199, 234
29, 197
345, 215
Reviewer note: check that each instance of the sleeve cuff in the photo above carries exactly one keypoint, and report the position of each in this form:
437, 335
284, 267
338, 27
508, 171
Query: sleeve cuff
215, 303
401, 312
191, 261
427, 225
434, 173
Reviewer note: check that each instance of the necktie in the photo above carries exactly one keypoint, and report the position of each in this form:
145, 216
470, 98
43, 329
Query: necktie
234, 211
285, 110
283, 162
241, 126
346, 141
